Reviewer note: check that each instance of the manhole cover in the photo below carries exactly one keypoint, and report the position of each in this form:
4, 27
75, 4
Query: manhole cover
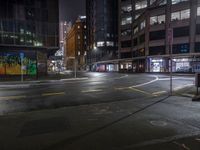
158, 123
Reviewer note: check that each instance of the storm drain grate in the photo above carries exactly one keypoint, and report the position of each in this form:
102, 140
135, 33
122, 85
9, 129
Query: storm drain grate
44, 126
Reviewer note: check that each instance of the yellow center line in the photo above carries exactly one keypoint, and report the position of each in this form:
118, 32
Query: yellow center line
12, 97
159, 93
53, 94
141, 91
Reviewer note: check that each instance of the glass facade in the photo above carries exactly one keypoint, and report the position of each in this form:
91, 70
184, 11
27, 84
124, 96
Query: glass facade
25, 22
29, 27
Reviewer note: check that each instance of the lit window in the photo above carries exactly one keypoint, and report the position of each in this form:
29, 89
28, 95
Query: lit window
178, 1
126, 9
180, 15
126, 21
157, 20
143, 25
185, 14
100, 44
135, 30
140, 4
78, 27
109, 43
198, 11
175, 16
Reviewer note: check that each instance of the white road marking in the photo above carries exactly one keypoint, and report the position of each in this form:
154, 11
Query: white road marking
92, 91
143, 84
182, 87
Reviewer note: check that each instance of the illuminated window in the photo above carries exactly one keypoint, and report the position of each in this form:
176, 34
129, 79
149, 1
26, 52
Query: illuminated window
180, 15
157, 20
143, 24
100, 44
140, 4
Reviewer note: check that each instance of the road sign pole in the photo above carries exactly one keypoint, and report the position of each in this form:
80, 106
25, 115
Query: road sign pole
170, 38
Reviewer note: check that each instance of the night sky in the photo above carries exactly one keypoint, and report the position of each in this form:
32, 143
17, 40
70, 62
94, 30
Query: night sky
71, 9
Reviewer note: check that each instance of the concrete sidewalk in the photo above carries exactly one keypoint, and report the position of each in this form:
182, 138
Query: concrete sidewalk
110, 126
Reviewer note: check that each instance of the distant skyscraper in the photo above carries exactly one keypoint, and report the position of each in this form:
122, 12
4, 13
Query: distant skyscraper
28, 32
102, 29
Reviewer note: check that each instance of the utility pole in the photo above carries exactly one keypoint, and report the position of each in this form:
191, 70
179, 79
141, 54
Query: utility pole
170, 39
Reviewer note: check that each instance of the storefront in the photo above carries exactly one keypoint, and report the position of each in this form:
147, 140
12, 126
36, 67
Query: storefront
182, 65
112, 67
126, 66
158, 65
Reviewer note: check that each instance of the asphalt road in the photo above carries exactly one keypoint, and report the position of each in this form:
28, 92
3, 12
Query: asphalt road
105, 111
98, 88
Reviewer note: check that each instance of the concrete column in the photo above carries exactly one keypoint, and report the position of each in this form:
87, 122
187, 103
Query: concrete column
168, 22
193, 14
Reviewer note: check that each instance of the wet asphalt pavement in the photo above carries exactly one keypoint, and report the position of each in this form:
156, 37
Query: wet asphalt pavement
105, 111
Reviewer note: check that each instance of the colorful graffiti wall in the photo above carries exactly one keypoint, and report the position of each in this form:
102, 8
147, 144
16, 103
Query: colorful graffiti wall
11, 63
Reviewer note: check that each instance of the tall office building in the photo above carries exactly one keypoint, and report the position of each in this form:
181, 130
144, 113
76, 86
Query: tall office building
144, 38
102, 30
28, 35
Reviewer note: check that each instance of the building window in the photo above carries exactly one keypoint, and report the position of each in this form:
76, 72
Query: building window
180, 15
137, 16
181, 48
140, 4
157, 50
181, 31
100, 44
126, 9
198, 11
135, 30
126, 32
142, 25
157, 20
178, 1
110, 43
157, 35
126, 21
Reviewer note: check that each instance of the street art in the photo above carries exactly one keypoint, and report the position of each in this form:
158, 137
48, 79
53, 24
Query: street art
11, 64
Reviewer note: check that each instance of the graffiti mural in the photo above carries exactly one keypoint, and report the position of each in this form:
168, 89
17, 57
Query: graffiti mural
12, 64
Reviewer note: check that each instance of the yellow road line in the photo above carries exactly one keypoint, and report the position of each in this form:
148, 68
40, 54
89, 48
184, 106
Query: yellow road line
12, 97
141, 91
159, 92
53, 94
90, 91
